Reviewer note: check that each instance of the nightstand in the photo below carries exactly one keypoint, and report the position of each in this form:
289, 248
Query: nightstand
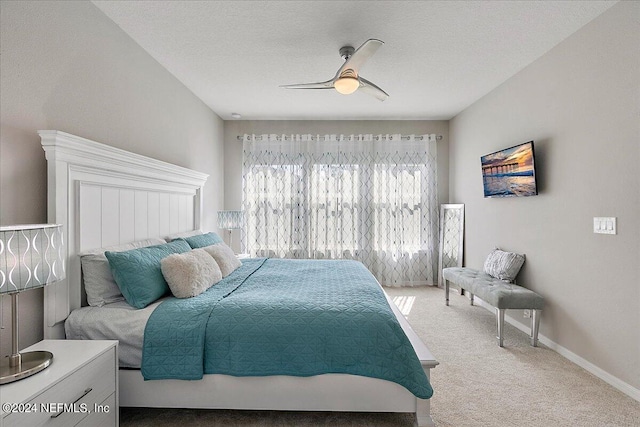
80, 387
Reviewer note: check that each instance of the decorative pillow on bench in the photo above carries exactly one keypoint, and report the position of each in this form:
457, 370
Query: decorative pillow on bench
503, 265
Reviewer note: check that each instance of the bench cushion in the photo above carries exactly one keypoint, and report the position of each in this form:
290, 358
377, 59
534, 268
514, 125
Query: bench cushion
494, 291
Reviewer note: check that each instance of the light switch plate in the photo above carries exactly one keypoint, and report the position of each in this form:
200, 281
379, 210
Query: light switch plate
604, 225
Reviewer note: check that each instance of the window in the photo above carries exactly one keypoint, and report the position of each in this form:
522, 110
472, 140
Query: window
373, 201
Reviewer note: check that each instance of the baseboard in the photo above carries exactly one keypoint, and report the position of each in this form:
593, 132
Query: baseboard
615, 382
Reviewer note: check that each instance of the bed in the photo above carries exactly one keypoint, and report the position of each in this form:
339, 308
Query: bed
106, 196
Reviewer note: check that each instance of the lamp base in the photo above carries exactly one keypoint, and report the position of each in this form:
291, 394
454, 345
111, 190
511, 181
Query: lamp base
32, 363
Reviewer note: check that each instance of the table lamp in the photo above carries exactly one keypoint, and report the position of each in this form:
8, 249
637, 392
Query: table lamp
230, 220
31, 256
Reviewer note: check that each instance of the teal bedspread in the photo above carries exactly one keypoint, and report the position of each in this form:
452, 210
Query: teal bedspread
284, 317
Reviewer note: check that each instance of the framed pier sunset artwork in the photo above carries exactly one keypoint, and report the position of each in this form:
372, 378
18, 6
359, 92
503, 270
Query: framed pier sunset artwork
510, 172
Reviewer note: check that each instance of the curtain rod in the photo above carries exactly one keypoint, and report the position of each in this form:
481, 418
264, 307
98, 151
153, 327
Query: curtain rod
377, 138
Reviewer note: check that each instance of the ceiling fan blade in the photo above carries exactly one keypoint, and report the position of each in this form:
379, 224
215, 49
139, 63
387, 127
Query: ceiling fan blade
320, 85
361, 55
371, 89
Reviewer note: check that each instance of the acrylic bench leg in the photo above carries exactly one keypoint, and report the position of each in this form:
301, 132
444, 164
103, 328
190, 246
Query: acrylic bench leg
446, 291
535, 326
471, 297
500, 320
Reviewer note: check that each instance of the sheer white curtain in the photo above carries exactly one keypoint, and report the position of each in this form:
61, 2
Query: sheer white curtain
364, 197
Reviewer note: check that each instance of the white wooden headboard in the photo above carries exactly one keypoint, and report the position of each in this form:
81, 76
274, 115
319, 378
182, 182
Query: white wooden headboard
105, 196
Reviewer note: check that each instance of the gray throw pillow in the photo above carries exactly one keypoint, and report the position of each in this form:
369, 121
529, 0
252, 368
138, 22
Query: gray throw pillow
503, 265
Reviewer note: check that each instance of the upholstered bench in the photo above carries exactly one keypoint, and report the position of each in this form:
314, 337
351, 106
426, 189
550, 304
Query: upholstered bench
497, 290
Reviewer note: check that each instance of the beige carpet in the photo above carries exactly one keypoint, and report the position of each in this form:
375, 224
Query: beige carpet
476, 384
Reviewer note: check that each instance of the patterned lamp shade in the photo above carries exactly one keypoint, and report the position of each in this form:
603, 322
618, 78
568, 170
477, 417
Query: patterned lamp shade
230, 220
31, 256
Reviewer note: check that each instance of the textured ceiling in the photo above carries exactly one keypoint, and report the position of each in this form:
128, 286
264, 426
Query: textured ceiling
439, 56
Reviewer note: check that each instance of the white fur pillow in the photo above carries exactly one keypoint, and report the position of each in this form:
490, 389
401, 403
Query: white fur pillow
224, 256
191, 273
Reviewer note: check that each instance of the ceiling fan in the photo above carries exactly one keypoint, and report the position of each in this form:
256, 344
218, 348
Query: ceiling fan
347, 80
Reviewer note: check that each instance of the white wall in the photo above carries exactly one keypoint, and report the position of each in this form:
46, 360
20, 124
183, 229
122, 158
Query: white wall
233, 147
66, 66
580, 103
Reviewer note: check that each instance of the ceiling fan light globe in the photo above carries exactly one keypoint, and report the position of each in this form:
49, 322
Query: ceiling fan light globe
346, 85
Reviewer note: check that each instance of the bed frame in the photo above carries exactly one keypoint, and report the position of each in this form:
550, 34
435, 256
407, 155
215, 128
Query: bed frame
106, 196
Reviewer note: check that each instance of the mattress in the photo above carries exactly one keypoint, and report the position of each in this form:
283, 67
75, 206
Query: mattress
115, 321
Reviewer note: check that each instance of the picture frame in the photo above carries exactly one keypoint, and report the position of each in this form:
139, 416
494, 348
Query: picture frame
510, 172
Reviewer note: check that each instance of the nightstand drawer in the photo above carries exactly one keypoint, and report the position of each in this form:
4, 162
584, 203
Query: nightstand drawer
102, 419
73, 398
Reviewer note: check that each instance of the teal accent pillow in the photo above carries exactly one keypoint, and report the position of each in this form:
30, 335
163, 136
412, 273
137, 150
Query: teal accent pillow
203, 240
138, 273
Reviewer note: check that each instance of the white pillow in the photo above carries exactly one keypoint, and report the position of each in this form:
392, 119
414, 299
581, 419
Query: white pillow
191, 273
224, 256
503, 265
99, 284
